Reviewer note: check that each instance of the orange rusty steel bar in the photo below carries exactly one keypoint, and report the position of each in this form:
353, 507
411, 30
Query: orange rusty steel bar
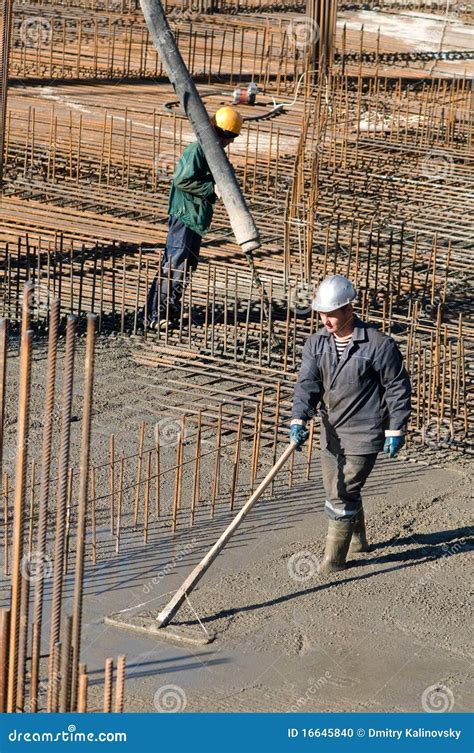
62, 490
4, 644
44, 498
5, 47
108, 685
120, 684
3, 375
18, 514
82, 693
82, 504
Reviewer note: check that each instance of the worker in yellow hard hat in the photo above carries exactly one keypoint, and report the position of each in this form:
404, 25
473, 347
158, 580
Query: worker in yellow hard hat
190, 208
228, 123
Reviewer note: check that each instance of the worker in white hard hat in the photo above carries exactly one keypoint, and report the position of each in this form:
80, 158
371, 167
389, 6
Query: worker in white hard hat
190, 208
355, 375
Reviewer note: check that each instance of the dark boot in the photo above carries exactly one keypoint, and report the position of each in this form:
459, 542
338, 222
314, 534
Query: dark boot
359, 541
337, 545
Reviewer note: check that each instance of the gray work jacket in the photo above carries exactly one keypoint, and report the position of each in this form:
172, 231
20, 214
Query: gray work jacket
367, 392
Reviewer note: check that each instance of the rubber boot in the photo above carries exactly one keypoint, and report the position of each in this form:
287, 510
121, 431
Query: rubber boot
337, 545
359, 541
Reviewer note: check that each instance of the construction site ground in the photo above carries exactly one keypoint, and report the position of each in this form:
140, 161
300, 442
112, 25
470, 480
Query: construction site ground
371, 638
355, 158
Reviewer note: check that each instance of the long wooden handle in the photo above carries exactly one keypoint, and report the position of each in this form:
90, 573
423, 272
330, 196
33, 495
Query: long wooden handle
195, 576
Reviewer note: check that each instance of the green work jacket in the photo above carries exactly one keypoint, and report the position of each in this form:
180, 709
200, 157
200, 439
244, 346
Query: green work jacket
192, 195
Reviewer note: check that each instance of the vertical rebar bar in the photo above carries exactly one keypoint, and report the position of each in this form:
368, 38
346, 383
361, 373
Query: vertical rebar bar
82, 693
62, 490
82, 504
3, 376
120, 684
147, 496
18, 514
112, 481
139, 471
65, 678
118, 528
4, 644
197, 467
23, 642
108, 685
5, 47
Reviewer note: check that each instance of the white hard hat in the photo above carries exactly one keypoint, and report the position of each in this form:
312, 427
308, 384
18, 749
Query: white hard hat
333, 293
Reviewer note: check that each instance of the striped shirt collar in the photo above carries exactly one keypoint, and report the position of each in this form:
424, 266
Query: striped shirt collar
359, 334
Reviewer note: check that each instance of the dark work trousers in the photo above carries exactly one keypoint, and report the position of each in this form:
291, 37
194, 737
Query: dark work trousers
344, 477
182, 245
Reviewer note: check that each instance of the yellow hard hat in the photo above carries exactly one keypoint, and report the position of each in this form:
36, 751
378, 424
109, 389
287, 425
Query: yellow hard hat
229, 120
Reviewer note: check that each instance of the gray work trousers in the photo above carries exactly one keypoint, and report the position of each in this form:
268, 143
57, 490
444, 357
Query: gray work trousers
344, 477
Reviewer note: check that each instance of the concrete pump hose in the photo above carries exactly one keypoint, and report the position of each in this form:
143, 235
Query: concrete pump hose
241, 220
